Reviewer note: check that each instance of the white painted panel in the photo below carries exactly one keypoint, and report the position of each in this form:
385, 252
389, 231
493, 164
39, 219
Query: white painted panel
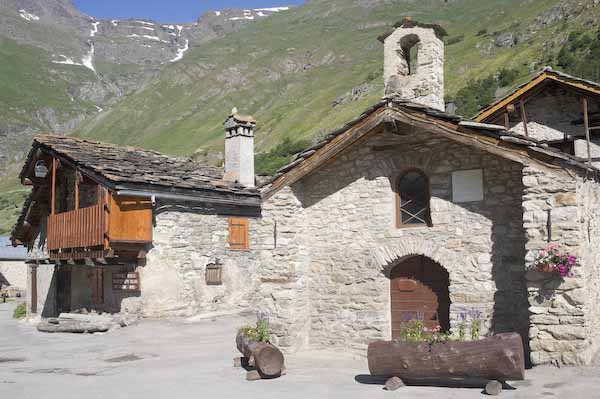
467, 185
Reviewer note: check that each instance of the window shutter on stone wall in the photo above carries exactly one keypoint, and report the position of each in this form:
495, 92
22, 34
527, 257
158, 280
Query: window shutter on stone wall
239, 236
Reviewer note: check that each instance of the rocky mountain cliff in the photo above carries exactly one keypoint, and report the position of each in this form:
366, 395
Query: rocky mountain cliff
301, 72
73, 65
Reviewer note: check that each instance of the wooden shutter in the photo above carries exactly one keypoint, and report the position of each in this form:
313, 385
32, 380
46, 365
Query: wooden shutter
239, 236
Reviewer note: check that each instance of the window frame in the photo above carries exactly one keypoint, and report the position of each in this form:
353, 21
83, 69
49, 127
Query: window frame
398, 200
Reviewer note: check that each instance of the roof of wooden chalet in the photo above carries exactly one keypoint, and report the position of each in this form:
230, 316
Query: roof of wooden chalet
131, 168
532, 87
130, 171
397, 114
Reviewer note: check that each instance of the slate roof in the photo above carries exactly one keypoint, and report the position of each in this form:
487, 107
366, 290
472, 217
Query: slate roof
121, 167
548, 71
408, 22
10, 253
462, 124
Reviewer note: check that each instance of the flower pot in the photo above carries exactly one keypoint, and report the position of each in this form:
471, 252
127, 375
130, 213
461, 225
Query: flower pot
545, 268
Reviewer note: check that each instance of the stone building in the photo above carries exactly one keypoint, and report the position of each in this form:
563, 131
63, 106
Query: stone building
405, 212
13, 272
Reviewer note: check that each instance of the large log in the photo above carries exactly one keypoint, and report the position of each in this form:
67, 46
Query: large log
267, 358
500, 357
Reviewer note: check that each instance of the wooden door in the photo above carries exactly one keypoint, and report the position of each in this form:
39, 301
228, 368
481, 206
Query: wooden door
419, 290
63, 287
97, 283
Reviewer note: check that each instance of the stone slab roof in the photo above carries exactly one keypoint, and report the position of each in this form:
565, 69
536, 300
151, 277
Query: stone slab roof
121, 167
454, 125
584, 85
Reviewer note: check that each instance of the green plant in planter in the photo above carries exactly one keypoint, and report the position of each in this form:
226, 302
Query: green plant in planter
475, 329
462, 331
259, 333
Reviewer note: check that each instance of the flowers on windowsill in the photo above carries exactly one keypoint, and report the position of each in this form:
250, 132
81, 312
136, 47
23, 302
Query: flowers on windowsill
552, 260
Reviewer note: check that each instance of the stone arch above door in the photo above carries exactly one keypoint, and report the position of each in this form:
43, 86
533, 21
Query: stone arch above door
387, 257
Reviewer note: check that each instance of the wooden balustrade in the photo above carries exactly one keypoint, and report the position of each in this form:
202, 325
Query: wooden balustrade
79, 228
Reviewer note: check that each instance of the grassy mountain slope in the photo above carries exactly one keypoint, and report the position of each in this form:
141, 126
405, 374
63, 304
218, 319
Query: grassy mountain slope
289, 69
306, 71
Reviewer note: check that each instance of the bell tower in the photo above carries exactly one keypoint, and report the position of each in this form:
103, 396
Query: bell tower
414, 63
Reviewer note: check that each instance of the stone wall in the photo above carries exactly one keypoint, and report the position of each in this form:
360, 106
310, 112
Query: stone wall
13, 274
173, 281
560, 308
349, 212
588, 198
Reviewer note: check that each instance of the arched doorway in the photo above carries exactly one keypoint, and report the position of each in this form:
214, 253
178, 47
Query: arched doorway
419, 290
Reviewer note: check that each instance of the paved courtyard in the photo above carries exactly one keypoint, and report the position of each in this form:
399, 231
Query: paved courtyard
179, 359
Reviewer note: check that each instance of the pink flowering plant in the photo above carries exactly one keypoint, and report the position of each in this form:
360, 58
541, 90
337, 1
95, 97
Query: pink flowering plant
552, 259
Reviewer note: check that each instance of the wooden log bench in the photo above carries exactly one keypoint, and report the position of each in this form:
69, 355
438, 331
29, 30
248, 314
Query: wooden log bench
265, 358
497, 358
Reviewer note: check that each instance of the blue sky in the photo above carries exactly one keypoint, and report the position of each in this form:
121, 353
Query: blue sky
168, 10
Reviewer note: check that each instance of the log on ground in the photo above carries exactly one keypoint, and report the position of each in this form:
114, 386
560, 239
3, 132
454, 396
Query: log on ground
267, 358
500, 357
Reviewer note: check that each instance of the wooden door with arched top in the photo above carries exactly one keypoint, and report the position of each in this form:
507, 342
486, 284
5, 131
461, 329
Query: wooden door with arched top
419, 290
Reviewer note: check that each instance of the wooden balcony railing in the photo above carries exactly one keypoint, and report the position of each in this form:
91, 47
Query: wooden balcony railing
79, 228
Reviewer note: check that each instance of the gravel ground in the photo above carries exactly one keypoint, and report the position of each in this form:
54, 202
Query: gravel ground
179, 359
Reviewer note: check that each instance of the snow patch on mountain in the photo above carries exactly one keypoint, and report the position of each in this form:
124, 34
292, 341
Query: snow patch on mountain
66, 60
94, 29
155, 38
145, 23
272, 9
88, 59
115, 22
28, 16
179, 28
218, 13
181, 52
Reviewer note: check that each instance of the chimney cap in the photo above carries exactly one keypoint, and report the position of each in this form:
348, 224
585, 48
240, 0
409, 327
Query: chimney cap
409, 22
243, 119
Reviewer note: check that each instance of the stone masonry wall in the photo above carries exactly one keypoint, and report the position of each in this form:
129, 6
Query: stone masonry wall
173, 280
268, 278
13, 274
588, 198
558, 306
349, 211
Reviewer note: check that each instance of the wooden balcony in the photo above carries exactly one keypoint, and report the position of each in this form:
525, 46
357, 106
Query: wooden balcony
79, 228
117, 228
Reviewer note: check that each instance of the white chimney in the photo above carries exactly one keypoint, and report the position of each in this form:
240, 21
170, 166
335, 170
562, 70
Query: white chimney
414, 63
239, 149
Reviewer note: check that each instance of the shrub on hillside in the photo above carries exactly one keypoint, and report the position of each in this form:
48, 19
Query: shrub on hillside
269, 162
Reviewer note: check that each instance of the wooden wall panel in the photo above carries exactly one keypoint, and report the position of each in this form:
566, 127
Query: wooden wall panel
130, 219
